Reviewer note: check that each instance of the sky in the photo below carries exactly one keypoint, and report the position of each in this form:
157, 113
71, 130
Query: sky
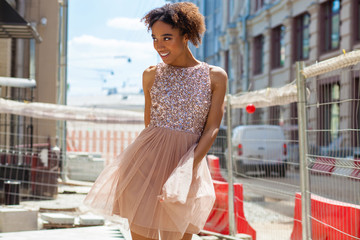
102, 36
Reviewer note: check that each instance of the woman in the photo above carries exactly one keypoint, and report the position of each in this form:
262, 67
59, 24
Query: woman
161, 182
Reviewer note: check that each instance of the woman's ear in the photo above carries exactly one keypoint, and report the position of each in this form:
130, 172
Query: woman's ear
186, 38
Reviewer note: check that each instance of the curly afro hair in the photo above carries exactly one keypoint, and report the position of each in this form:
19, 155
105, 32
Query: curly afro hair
184, 16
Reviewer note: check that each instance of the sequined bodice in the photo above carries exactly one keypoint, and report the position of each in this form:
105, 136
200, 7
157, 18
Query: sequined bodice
181, 97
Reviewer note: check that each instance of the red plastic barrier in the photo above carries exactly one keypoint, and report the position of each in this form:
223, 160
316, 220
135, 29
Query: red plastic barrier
331, 220
218, 220
214, 166
356, 172
323, 165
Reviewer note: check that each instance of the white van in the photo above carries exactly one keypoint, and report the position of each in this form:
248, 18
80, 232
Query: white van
259, 148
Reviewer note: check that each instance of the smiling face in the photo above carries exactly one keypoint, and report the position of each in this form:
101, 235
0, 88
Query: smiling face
169, 43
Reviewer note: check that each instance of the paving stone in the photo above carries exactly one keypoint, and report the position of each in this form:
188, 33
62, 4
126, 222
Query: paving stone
88, 233
17, 219
90, 219
58, 218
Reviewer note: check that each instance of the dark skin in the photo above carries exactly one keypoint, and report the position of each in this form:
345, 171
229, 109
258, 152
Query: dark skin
173, 49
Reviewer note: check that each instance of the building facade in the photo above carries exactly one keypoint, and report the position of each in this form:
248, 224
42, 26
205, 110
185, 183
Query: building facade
32, 55
259, 43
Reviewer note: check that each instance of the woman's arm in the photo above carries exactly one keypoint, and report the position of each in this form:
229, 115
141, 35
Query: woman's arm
148, 80
218, 80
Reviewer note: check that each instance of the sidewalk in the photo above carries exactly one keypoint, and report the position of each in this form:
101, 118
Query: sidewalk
88, 233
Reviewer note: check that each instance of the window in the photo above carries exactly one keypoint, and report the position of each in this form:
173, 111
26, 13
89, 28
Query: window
257, 117
329, 121
258, 54
227, 64
356, 110
278, 47
274, 115
258, 4
294, 132
330, 11
230, 10
357, 20
302, 37
209, 7
227, 61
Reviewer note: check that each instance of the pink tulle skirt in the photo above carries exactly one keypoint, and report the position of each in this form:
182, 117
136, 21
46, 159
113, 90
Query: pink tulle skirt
153, 185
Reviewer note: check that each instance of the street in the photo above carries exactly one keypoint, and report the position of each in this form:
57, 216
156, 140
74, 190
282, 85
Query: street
340, 188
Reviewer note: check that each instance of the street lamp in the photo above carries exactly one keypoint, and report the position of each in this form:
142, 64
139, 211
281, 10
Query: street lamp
128, 58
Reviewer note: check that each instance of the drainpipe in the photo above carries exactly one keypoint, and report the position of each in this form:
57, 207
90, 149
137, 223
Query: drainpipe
62, 83
246, 77
20, 44
246, 46
19, 64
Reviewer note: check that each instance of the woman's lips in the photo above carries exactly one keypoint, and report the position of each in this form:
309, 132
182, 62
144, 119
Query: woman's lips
164, 55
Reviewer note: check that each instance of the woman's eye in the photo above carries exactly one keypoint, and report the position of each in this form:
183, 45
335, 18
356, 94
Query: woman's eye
154, 39
167, 39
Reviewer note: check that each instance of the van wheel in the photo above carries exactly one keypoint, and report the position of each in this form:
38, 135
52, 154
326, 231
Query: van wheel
267, 171
239, 169
282, 171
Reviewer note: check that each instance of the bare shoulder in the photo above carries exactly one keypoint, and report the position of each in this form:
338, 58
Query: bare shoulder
149, 76
149, 72
218, 76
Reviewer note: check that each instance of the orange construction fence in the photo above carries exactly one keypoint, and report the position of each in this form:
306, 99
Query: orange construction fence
108, 142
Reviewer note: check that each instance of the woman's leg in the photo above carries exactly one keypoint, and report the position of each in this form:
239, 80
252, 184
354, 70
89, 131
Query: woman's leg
165, 235
187, 236
135, 236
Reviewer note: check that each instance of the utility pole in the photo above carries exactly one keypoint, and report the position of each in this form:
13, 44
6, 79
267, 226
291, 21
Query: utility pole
62, 82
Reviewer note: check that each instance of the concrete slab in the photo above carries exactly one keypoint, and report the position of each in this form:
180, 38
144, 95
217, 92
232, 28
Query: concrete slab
84, 166
196, 237
58, 218
209, 238
253, 197
90, 219
17, 219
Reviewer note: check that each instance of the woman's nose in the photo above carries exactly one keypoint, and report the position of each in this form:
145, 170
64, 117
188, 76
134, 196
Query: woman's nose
159, 45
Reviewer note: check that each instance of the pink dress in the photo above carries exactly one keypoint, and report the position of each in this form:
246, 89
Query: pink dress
152, 183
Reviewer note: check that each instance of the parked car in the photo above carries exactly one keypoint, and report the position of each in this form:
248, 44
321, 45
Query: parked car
259, 148
219, 146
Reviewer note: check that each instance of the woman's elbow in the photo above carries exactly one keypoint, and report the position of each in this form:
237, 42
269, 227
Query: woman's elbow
211, 131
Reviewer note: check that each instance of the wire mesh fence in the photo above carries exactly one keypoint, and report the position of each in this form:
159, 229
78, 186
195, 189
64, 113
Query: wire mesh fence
266, 160
96, 145
268, 165
333, 133
30, 163
332, 159
33, 163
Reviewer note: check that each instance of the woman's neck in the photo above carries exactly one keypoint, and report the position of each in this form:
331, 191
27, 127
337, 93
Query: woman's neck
186, 60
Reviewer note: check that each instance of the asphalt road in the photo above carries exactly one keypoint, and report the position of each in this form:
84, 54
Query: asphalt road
335, 187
